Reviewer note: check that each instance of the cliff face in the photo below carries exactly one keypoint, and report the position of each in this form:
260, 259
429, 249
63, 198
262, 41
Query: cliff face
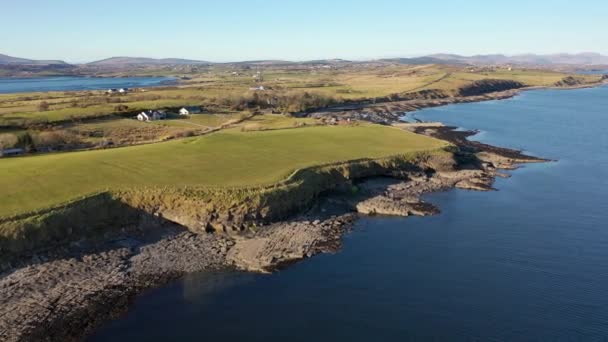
427, 94
488, 86
196, 209
92, 218
233, 210
569, 82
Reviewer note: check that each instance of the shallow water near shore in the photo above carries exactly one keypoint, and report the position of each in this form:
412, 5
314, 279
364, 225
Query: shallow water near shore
528, 262
68, 83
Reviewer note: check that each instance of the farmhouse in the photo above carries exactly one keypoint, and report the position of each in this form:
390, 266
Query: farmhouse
189, 110
111, 91
123, 90
11, 152
151, 115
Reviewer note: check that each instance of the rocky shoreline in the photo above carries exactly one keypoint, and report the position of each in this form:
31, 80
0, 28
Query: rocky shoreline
64, 294
389, 111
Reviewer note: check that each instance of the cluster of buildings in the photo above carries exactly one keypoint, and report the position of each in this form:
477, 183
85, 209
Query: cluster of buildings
153, 115
118, 91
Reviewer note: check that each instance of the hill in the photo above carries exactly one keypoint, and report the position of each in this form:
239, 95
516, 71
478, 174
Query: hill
5, 59
422, 60
127, 61
525, 59
264, 62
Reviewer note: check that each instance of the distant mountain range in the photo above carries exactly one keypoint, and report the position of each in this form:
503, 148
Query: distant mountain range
126, 61
582, 59
526, 59
4, 59
282, 62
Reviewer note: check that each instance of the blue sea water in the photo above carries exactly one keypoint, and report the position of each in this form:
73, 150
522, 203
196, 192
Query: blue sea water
67, 83
528, 262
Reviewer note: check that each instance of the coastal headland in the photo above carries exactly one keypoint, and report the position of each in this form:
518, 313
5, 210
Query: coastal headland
255, 194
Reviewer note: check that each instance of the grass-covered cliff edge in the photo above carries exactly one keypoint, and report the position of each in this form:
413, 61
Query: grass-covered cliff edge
223, 181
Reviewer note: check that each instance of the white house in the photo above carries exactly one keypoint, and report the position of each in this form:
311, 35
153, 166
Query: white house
123, 90
143, 116
151, 115
189, 110
111, 91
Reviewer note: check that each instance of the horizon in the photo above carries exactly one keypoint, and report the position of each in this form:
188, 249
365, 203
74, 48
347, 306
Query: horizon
67, 60
239, 31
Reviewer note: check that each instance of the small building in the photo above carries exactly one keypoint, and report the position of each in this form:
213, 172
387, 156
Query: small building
124, 90
9, 152
151, 115
258, 88
189, 110
111, 91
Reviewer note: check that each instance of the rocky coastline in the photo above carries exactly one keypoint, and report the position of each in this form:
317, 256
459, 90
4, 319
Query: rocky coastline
65, 294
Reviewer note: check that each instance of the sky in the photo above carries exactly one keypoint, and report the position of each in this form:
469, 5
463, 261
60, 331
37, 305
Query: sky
237, 30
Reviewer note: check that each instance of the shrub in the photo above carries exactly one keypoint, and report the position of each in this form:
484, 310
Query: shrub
55, 139
121, 108
43, 106
7, 140
25, 141
184, 134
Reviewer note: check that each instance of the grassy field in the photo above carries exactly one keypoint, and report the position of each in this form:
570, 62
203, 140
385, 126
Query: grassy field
275, 121
228, 158
208, 120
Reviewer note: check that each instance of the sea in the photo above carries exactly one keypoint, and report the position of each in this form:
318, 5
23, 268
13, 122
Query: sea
70, 83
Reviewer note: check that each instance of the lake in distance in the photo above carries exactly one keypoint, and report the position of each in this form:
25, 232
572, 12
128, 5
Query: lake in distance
69, 83
528, 262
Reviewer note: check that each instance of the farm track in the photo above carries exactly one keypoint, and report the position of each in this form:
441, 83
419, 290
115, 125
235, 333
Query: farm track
444, 77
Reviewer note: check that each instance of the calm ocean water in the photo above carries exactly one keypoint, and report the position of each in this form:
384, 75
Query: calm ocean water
526, 263
63, 83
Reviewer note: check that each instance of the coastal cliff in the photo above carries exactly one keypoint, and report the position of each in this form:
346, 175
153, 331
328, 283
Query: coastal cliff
200, 210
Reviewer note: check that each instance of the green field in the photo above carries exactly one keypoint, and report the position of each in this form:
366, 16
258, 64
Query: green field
230, 158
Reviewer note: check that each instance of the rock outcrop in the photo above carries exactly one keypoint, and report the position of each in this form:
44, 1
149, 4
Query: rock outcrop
486, 86
279, 244
569, 81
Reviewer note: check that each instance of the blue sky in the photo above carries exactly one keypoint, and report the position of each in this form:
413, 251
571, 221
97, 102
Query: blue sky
231, 30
